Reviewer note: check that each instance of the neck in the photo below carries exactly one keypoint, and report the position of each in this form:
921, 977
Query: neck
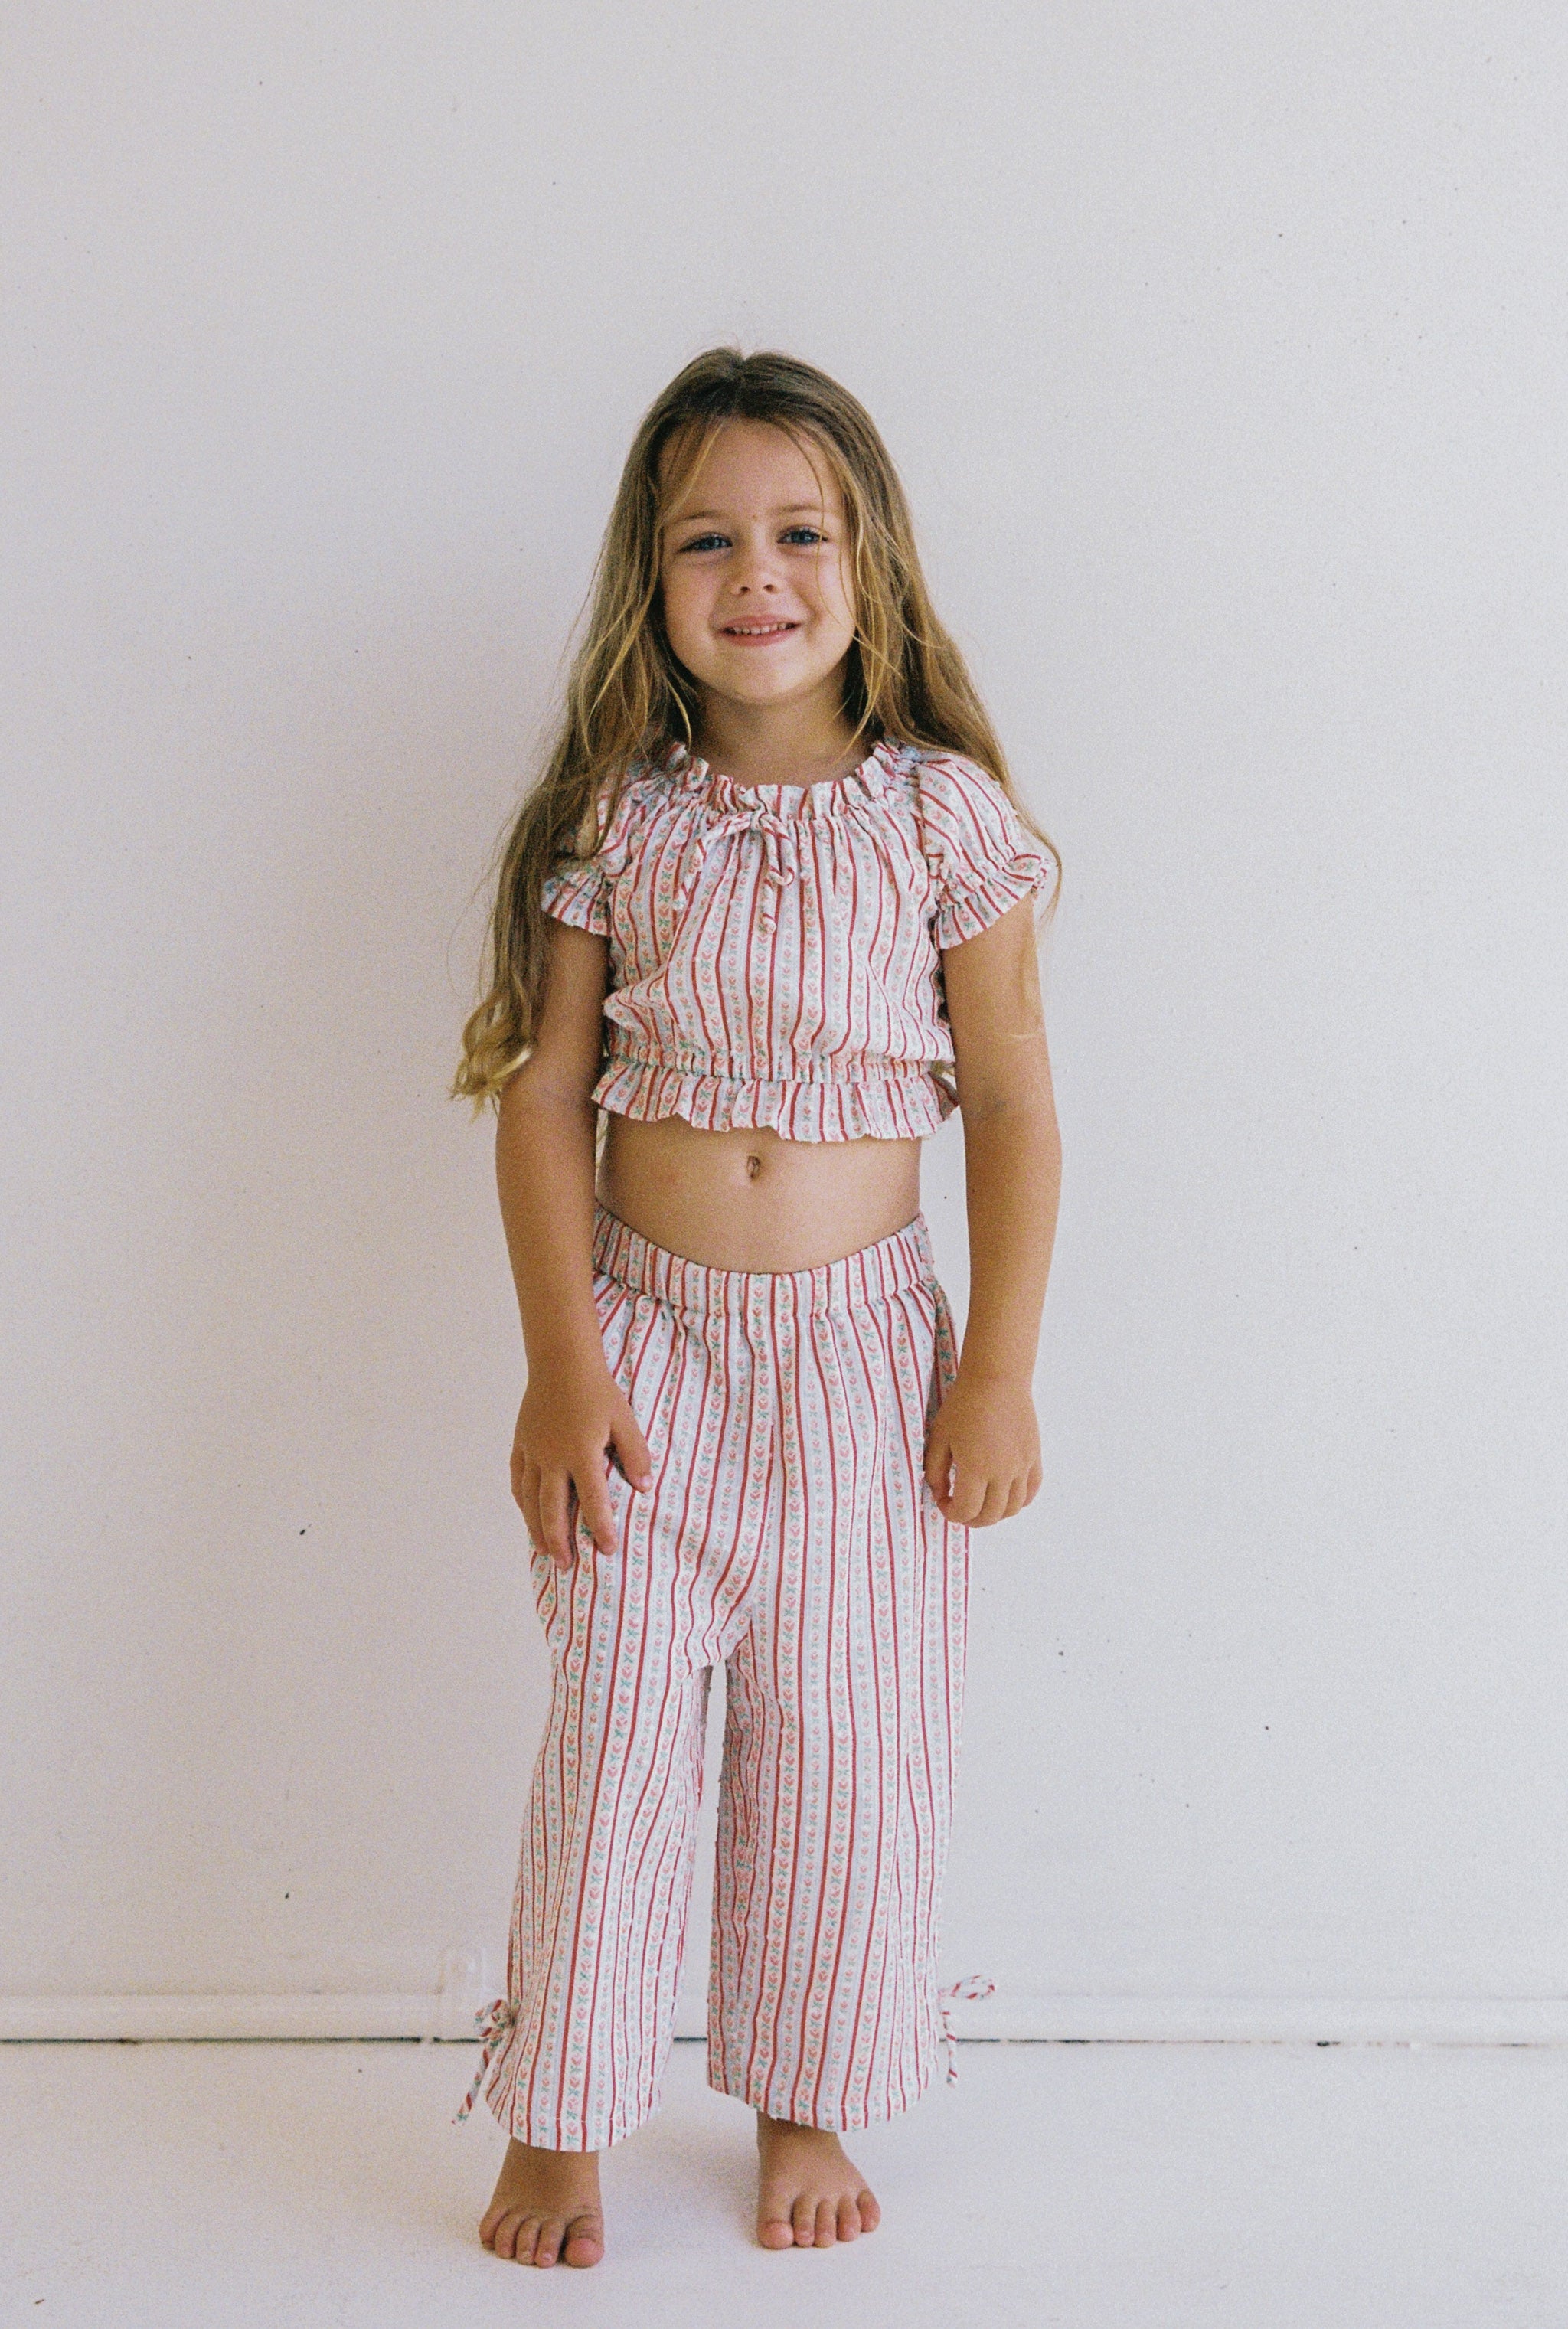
778, 743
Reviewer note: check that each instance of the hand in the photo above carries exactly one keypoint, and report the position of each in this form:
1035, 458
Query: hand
569, 1418
986, 1432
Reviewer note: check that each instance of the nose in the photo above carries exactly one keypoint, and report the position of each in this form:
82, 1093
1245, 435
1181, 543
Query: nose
752, 572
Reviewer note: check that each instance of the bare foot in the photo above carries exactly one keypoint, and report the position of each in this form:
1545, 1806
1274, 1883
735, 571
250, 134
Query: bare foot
809, 2195
546, 2206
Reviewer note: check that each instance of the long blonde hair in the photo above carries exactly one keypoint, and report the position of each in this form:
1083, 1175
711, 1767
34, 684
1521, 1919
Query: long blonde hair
628, 700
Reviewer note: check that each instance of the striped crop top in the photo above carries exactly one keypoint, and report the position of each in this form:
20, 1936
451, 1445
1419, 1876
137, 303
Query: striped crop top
775, 950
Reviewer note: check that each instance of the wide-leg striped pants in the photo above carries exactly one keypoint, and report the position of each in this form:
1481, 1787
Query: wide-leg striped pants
789, 1531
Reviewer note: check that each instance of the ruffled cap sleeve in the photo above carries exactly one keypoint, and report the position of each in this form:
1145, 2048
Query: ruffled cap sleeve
577, 889
981, 856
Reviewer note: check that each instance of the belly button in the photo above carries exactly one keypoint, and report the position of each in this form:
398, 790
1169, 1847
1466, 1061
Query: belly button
753, 1166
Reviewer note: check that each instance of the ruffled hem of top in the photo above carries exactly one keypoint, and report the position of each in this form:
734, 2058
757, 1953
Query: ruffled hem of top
890, 1108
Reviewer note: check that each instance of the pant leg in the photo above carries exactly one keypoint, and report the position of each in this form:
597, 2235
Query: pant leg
844, 1698
604, 1880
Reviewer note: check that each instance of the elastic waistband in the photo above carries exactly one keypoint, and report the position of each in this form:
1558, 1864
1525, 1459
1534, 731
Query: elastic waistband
628, 1050
855, 1280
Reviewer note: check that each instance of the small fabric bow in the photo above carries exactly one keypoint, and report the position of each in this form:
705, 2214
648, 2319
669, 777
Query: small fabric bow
972, 1985
492, 2022
780, 845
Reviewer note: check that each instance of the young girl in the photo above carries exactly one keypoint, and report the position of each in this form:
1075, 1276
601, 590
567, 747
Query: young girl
778, 859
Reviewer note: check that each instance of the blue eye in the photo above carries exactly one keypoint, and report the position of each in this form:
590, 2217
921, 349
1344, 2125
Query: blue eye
810, 531
705, 541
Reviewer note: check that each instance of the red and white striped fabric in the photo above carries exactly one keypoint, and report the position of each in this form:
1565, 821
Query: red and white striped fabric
789, 1531
776, 949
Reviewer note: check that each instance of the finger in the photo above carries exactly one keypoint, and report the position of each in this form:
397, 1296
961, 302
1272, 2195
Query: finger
993, 1504
969, 1497
528, 1498
554, 1527
594, 1505
938, 1463
632, 1449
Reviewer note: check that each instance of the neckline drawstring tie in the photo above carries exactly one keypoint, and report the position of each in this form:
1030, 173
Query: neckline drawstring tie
780, 845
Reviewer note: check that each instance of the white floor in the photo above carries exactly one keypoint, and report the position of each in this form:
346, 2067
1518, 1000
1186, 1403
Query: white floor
1098, 2187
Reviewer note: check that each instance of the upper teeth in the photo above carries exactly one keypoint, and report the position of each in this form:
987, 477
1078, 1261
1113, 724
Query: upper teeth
755, 630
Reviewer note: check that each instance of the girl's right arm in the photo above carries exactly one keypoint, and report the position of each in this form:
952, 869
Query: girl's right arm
573, 1409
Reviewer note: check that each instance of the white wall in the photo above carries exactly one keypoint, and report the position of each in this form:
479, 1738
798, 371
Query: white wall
1220, 348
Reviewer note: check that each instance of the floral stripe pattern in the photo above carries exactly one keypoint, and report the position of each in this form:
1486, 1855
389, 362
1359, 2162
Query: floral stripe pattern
776, 949
790, 1533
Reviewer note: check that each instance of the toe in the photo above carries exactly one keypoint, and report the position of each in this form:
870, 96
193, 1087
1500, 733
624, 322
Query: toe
584, 2241
870, 2211
775, 2231
848, 2221
519, 2233
498, 2223
804, 2221
826, 2224
552, 2233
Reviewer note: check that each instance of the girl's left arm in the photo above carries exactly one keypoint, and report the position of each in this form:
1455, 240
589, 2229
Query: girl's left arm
986, 1434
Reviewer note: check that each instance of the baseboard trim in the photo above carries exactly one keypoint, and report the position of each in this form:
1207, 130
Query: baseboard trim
1266, 2021
418, 2014
448, 2014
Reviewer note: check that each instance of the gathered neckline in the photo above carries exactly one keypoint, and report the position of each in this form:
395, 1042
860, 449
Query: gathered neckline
870, 777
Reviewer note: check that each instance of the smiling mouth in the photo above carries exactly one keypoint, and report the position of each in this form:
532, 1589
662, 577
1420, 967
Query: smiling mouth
758, 630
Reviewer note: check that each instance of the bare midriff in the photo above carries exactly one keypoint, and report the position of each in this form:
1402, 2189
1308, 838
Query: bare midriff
747, 1200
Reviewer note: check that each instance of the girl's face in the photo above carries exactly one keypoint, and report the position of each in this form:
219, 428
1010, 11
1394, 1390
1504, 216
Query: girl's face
758, 600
